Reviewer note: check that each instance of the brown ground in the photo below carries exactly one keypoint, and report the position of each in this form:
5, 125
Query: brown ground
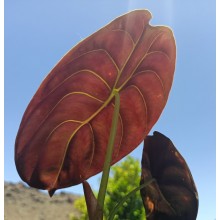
24, 203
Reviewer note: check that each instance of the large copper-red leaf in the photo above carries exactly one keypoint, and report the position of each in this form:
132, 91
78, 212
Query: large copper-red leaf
64, 132
173, 194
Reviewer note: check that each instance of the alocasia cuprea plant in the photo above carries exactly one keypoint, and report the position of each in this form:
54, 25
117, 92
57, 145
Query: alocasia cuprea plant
103, 97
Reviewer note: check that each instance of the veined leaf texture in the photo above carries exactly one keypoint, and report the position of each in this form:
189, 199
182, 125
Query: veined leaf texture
63, 135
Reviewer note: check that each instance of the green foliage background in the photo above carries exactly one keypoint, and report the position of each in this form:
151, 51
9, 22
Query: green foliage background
124, 177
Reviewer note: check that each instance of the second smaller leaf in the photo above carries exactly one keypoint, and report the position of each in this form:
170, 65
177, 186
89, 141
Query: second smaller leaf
173, 196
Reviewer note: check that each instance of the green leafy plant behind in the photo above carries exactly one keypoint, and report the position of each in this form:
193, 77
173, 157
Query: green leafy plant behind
80, 205
124, 177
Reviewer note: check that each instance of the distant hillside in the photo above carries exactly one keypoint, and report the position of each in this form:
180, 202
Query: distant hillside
24, 203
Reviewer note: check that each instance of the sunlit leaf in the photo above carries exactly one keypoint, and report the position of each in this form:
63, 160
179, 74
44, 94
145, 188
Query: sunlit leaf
64, 132
173, 194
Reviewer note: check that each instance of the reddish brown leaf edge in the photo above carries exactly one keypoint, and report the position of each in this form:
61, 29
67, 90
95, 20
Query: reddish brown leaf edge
173, 194
64, 132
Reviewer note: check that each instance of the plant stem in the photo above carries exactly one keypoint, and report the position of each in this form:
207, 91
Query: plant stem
108, 158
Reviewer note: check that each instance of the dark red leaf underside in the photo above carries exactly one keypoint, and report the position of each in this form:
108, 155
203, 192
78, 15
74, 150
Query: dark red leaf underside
173, 194
64, 132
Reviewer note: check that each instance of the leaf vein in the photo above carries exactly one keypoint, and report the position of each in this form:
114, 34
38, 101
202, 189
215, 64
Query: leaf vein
156, 74
126, 32
79, 72
132, 73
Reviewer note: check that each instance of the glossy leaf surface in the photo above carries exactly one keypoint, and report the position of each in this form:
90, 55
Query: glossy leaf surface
173, 194
64, 132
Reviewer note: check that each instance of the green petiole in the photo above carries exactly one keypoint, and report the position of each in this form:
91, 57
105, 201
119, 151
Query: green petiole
108, 159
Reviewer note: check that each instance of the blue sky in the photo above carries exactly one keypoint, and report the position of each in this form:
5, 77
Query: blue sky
39, 33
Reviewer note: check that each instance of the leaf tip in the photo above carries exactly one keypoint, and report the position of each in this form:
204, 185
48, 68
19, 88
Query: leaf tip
51, 192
